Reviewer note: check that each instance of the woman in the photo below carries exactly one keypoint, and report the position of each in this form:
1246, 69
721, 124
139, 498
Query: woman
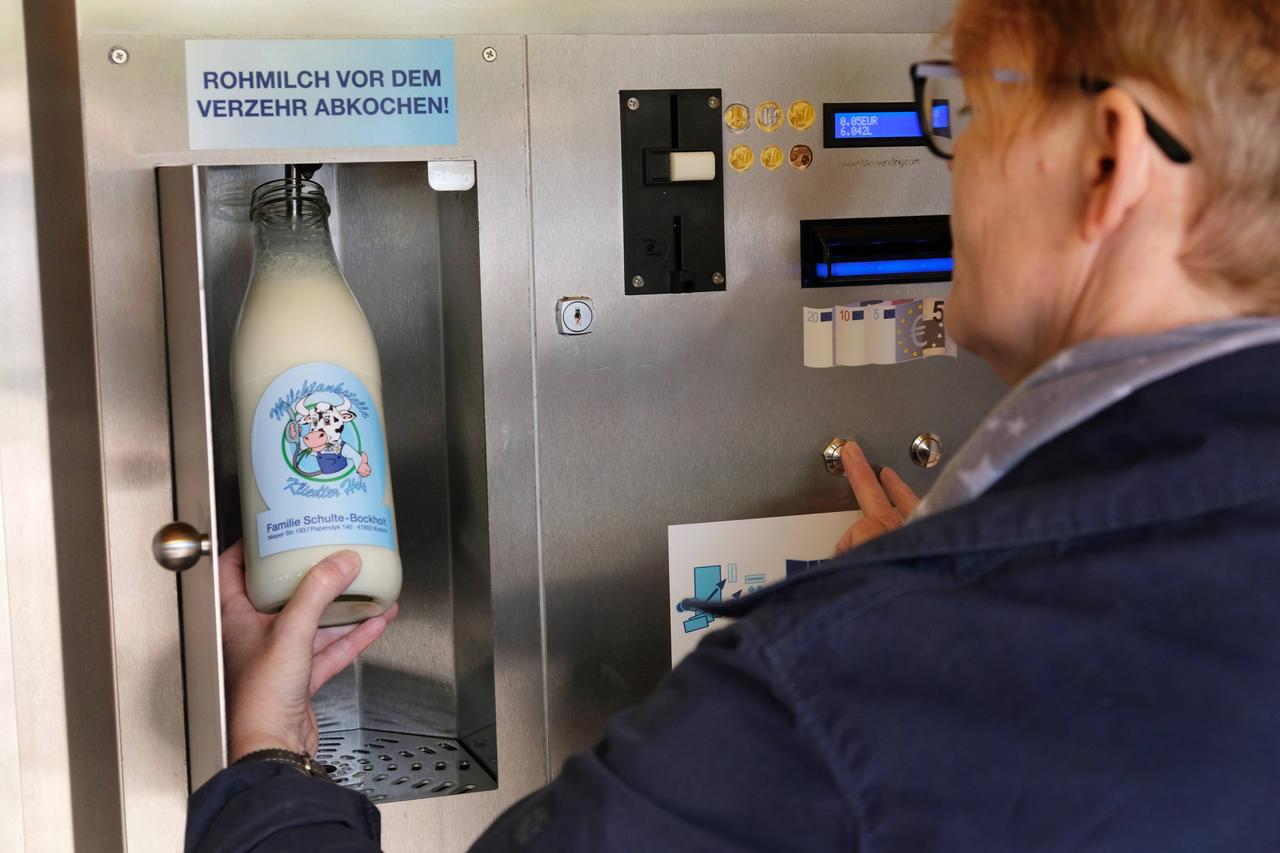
1075, 643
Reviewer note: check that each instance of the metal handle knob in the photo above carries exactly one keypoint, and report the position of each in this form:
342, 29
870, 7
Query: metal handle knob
179, 546
831, 455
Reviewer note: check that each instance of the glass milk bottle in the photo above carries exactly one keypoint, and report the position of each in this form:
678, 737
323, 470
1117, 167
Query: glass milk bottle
307, 389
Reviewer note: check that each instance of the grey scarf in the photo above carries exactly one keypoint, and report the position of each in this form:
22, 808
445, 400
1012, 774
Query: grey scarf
1072, 387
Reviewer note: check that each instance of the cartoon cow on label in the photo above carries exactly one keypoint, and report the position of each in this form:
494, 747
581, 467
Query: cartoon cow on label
318, 429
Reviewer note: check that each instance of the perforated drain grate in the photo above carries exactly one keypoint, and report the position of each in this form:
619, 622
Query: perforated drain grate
390, 766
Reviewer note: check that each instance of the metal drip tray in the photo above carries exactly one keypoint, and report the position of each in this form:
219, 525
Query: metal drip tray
391, 766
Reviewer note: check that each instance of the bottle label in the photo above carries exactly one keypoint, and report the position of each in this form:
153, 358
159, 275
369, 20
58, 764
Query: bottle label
320, 462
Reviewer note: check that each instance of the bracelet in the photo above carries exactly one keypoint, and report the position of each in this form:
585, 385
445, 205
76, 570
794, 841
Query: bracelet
297, 760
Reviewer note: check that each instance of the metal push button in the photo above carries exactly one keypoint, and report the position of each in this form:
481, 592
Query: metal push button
831, 455
926, 450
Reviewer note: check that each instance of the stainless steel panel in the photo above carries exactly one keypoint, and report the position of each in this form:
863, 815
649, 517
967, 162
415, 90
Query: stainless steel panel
384, 17
410, 255
82, 664
134, 121
696, 407
468, 489
192, 425
390, 252
35, 792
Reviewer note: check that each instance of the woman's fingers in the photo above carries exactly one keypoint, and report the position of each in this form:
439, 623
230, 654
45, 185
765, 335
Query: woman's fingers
885, 501
864, 530
231, 573
904, 499
327, 580
871, 496
848, 541
326, 637
242, 625
342, 651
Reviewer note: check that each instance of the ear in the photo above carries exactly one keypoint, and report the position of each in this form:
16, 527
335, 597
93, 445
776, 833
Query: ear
1118, 162
347, 416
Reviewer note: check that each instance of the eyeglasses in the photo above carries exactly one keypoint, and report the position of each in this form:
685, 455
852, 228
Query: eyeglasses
945, 111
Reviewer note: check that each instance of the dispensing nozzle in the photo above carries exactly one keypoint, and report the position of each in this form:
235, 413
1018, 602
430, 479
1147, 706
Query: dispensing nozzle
295, 174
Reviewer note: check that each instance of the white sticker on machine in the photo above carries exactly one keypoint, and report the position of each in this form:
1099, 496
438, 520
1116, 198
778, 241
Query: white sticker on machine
819, 346
724, 560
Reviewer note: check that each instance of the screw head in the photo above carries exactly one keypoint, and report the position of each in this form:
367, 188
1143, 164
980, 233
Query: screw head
633, 103
118, 55
717, 278
489, 54
637, 281
713, 102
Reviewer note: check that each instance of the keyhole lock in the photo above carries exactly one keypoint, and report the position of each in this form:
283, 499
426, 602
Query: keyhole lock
575, 315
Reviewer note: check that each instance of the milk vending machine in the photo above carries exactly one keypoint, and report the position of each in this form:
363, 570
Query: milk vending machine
628, 267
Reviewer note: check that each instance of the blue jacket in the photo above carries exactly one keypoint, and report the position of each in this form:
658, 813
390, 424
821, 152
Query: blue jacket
1087, 657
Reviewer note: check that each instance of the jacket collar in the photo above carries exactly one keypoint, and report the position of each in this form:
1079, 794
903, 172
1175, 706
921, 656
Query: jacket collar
1074, 386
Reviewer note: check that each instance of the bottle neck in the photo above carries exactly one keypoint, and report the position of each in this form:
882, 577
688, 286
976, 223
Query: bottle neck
289, 244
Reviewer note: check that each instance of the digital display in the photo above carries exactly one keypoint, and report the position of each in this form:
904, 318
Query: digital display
876, 125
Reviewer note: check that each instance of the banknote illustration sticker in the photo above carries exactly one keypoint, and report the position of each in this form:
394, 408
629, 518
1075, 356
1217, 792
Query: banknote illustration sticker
876, 331
819, 345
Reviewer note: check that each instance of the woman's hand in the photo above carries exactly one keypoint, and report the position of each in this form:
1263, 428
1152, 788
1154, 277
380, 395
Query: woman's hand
275, 664
885, 502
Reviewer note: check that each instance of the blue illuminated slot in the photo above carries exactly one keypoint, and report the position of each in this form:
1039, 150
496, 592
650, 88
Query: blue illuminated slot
859, 269
886, 250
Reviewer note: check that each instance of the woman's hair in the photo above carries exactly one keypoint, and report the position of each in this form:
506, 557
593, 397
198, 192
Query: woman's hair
1219, 60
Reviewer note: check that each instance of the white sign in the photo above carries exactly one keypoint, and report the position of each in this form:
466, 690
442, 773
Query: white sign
725, 560
320, 93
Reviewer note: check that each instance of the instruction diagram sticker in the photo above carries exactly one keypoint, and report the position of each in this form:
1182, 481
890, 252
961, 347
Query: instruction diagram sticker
320, 93
724, 560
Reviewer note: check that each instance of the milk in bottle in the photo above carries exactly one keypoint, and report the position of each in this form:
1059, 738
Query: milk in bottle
307, 390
